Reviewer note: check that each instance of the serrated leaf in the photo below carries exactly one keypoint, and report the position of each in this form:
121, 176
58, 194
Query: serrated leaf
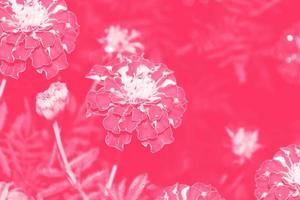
54, 189
99, 177
4, 165
84, 161
136, 187
3, 115
52, 172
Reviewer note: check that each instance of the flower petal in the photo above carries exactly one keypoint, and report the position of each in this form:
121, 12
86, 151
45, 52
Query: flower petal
21, 53
111, 123
138, 115
162, 124
12, 69
127, 124
117, 141
154, 112
40, 58
31, 43
103, 100
52, 70
175, 115
56, 50
68, 40
157, 144
145, 131
6, 51
46, 38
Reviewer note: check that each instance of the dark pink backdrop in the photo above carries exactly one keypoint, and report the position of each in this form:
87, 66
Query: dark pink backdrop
209, 44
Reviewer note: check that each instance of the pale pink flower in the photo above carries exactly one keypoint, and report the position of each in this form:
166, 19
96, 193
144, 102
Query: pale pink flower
137, 95
42, 31
279, 178
244, 142
120, 41
8, 191
198, 191
52, 101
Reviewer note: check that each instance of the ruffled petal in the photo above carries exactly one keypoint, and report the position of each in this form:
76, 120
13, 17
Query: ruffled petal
154, 112
15, 38
111, 123
40, 58
31, 43
46, 38
52, 70
138, 115
56, 50
6, 51
175, 115
117, 141
12, 69
21, 53
68, 40
103, 100
127, 124
157, 144
162, 124
145, 131
122, 110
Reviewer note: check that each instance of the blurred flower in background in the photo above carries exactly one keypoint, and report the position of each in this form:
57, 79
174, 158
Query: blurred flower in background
120, 41
10, 192
244, 142
52, 101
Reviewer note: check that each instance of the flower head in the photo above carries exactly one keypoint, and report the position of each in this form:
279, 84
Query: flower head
52, 101
279, 178
196, 191
121, 41
136, 95
244, 143
42, 31
9, 191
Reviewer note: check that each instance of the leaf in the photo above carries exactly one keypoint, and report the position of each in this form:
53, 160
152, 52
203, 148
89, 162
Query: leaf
84, 161
54, 189
4, 165
136, 188
3, 115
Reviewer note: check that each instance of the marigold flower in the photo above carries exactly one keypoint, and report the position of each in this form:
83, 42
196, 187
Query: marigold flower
279, 178
120, 41
194, 192
8, 191
137, 96
52, 101
244, 142
42, 31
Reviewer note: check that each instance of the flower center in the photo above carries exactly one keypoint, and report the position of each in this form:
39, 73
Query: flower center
138, 86
31, 14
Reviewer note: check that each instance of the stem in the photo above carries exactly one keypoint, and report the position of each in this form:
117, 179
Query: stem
2, 87
67, 166
111, 177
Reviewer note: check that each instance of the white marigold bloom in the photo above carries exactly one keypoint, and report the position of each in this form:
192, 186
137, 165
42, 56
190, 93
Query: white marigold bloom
244, 143
39, 31
121, 41
53, 100
9, 192
279, 178
198, 191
